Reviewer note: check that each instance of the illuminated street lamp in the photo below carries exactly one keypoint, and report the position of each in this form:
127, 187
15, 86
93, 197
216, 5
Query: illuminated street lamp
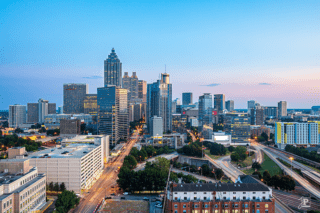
291, 159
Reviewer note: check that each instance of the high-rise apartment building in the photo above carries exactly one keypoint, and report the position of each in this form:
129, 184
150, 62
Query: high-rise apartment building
113, 113
238, 124
70, 127
187, 98
159, 101
297, 134
73, 98
230, 105
112, 70
43, 109
257, 116
205, 115
156, 127
52, 108
131, 84
282, 109
270, 112
219, 102
33, 113
142, 90
17, 115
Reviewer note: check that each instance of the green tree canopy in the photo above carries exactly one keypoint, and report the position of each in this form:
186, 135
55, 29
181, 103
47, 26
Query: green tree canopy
66, 201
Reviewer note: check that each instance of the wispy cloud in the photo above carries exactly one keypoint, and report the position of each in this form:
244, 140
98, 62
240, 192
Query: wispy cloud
93, 77
265, 84
210, 85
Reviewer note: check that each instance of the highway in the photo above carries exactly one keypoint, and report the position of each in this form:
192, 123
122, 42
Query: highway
199, 177
273, 155
98, 191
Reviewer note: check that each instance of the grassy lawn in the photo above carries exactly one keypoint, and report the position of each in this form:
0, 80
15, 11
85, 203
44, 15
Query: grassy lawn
311, 167
268, 165
207, 152
247, 161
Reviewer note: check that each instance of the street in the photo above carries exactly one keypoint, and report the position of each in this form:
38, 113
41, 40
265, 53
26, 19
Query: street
101, 188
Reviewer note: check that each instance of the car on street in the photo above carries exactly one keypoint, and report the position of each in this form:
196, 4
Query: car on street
125, 193
158, 206
113, 194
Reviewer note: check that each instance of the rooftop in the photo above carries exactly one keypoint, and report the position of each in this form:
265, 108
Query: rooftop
71, 151
6, 178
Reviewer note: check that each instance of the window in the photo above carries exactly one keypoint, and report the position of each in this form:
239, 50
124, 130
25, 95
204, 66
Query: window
175, 193
226, 205
185, 193
263, 192
175, 211
196, 206
206, 206
194, 192
266, 206
224, 193
254, 197
216, 206
234, 193
263, 197
258, 211
244, 198
205, 193
254, 192
204, 198
195, 198
246, 205
234, 198
236, 205
4, 205
258, 205
176, 206
244, 192
185, 198
184, 211
224, 198
184, 206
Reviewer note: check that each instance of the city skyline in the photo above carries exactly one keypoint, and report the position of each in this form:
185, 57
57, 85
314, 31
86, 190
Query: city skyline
221, 51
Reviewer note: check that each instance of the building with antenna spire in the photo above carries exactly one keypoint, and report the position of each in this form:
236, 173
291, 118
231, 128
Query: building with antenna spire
112, 70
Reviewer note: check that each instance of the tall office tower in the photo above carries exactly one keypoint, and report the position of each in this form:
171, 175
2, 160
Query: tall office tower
187, 98
251, 105
43, 109
73, 98
113, 113
60, 110
112, 70
205, 115
271, 112
91, 107
159, 102
230, 105
156, 127
174, 107
142, 88
52, 108
219, 102
131, 84
257, 116
282, 109
17, 115
33, 113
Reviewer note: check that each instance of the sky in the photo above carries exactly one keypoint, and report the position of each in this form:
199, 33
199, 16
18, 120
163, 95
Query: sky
266, 51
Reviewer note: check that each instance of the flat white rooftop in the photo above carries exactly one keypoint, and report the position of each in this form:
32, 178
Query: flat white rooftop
70, 151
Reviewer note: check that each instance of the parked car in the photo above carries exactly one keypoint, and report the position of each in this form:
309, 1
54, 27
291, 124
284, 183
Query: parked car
125, 193
113, 194
123, 198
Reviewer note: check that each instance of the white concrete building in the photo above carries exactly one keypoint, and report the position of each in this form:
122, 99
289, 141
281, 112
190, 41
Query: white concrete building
156, 127
78, 165
221, 138
17, 115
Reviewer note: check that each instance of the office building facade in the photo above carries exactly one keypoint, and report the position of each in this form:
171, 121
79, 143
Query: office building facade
142, 90
219, 102
90, 104
230, 105
238, 125
205, 115
187, 98
112, 70
73, 98
33, 113
251, 105
156, 129
113, 113
257, 116
270, 112
297, 134
282, 109
159, 102
37, 111
132, 85
17, 115
70, 127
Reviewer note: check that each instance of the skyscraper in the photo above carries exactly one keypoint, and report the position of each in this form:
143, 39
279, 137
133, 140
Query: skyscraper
112, 70
113, 113
90, 106
159, 102
37, 111
142, 87
131, 84
33, 113
187, 98
282, 109
17, 115
73, 98
219, 102
205, 115
251, 105
52, 108
270, 112
230, 105
43, 109
257, 116
238, 124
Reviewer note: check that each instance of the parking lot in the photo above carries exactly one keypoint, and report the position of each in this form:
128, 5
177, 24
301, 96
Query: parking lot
151, 198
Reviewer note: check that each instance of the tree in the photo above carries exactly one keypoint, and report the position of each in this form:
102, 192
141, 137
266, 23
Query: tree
56, 187
265, 136
235, 157
257, 173
217, 149
266, 177
174, 177
125, 176
0, 133
218, 173
162, 164
256, 166
231, 148
62, 187
130, 162
66, 201
83, 127
51, 186
205, 170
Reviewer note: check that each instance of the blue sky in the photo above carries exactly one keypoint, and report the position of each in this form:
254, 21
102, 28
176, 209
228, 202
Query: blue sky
263, 50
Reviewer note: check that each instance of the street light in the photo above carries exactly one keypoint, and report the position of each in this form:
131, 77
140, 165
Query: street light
291, 159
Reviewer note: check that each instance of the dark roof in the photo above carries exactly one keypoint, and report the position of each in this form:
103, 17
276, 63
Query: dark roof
191, 187
248, 179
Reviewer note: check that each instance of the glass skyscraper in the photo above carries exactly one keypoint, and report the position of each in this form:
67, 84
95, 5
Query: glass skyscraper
205, 115
131, 84
230, 105
113, 113
187, 98
219, 102
112, 70
17, 115
159, 101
